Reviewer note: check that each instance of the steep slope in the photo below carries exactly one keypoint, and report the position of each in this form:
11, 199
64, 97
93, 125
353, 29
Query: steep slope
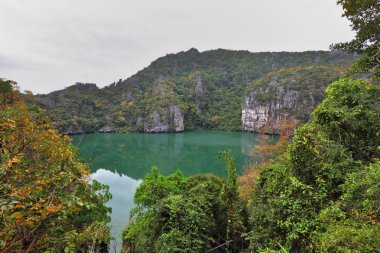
285, 94
184, 91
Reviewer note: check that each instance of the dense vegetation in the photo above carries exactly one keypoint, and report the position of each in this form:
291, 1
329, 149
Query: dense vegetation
321, 195
47, 202
328, 198
178, 214
365, 21
207, 87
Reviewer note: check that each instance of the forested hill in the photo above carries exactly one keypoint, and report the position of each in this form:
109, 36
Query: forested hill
217, 89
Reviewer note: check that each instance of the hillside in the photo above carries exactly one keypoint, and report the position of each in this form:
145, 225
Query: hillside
218, 89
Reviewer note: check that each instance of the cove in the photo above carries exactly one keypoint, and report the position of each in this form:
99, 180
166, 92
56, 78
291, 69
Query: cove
122, 160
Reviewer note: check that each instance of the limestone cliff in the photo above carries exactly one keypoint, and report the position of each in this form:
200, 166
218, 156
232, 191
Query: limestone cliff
170, 121
163, 113
257, 115
286, 94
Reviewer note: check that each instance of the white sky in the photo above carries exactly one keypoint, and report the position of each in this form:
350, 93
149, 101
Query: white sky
47, 45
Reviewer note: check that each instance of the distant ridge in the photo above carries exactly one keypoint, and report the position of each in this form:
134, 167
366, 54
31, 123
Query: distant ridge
195, 90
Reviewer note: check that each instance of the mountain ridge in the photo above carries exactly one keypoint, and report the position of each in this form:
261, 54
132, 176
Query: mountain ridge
183, 91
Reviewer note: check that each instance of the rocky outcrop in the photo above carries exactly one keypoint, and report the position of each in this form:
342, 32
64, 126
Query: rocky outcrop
274, 99
257, 115
155, 124
254, 119
199, 86
106, 129
170, 121
73, 130
176, 117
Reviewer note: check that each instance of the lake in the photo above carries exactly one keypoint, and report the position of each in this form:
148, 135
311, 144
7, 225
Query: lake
122, 160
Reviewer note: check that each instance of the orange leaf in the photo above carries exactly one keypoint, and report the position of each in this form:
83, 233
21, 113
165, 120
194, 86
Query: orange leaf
14, 160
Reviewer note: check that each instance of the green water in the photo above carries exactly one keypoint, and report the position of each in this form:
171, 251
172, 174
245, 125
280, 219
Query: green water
122, 160
192, 152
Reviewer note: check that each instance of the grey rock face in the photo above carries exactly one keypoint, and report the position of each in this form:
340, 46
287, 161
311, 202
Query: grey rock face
140, 122
171, 120
176, 117
156, 126
258, 113
73, 129
199, 86
106, 129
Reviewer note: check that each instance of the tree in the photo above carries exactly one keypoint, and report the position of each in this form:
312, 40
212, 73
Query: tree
353, 223
235, 208
6, 91
47, 202
178, 214
350, 116
323, 194
365, 19
145, 227
263, 152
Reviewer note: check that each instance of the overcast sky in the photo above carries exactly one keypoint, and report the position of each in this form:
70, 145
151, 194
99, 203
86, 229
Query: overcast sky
47, 45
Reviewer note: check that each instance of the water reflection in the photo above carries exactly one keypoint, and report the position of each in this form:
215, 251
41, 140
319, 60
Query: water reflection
192, 152
122, 190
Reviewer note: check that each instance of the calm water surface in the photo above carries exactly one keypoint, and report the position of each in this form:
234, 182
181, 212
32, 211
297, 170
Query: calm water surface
122, 160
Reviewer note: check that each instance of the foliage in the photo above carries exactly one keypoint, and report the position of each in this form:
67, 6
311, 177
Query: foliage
346, 234
281, 210
319, 162
47, 203
178, 214
6, 92
230, 195
265, 151
156, 187
350, 116
365, 20
353, 224
361, 193
322, 194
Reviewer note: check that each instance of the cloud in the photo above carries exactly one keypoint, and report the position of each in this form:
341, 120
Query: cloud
47, 45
